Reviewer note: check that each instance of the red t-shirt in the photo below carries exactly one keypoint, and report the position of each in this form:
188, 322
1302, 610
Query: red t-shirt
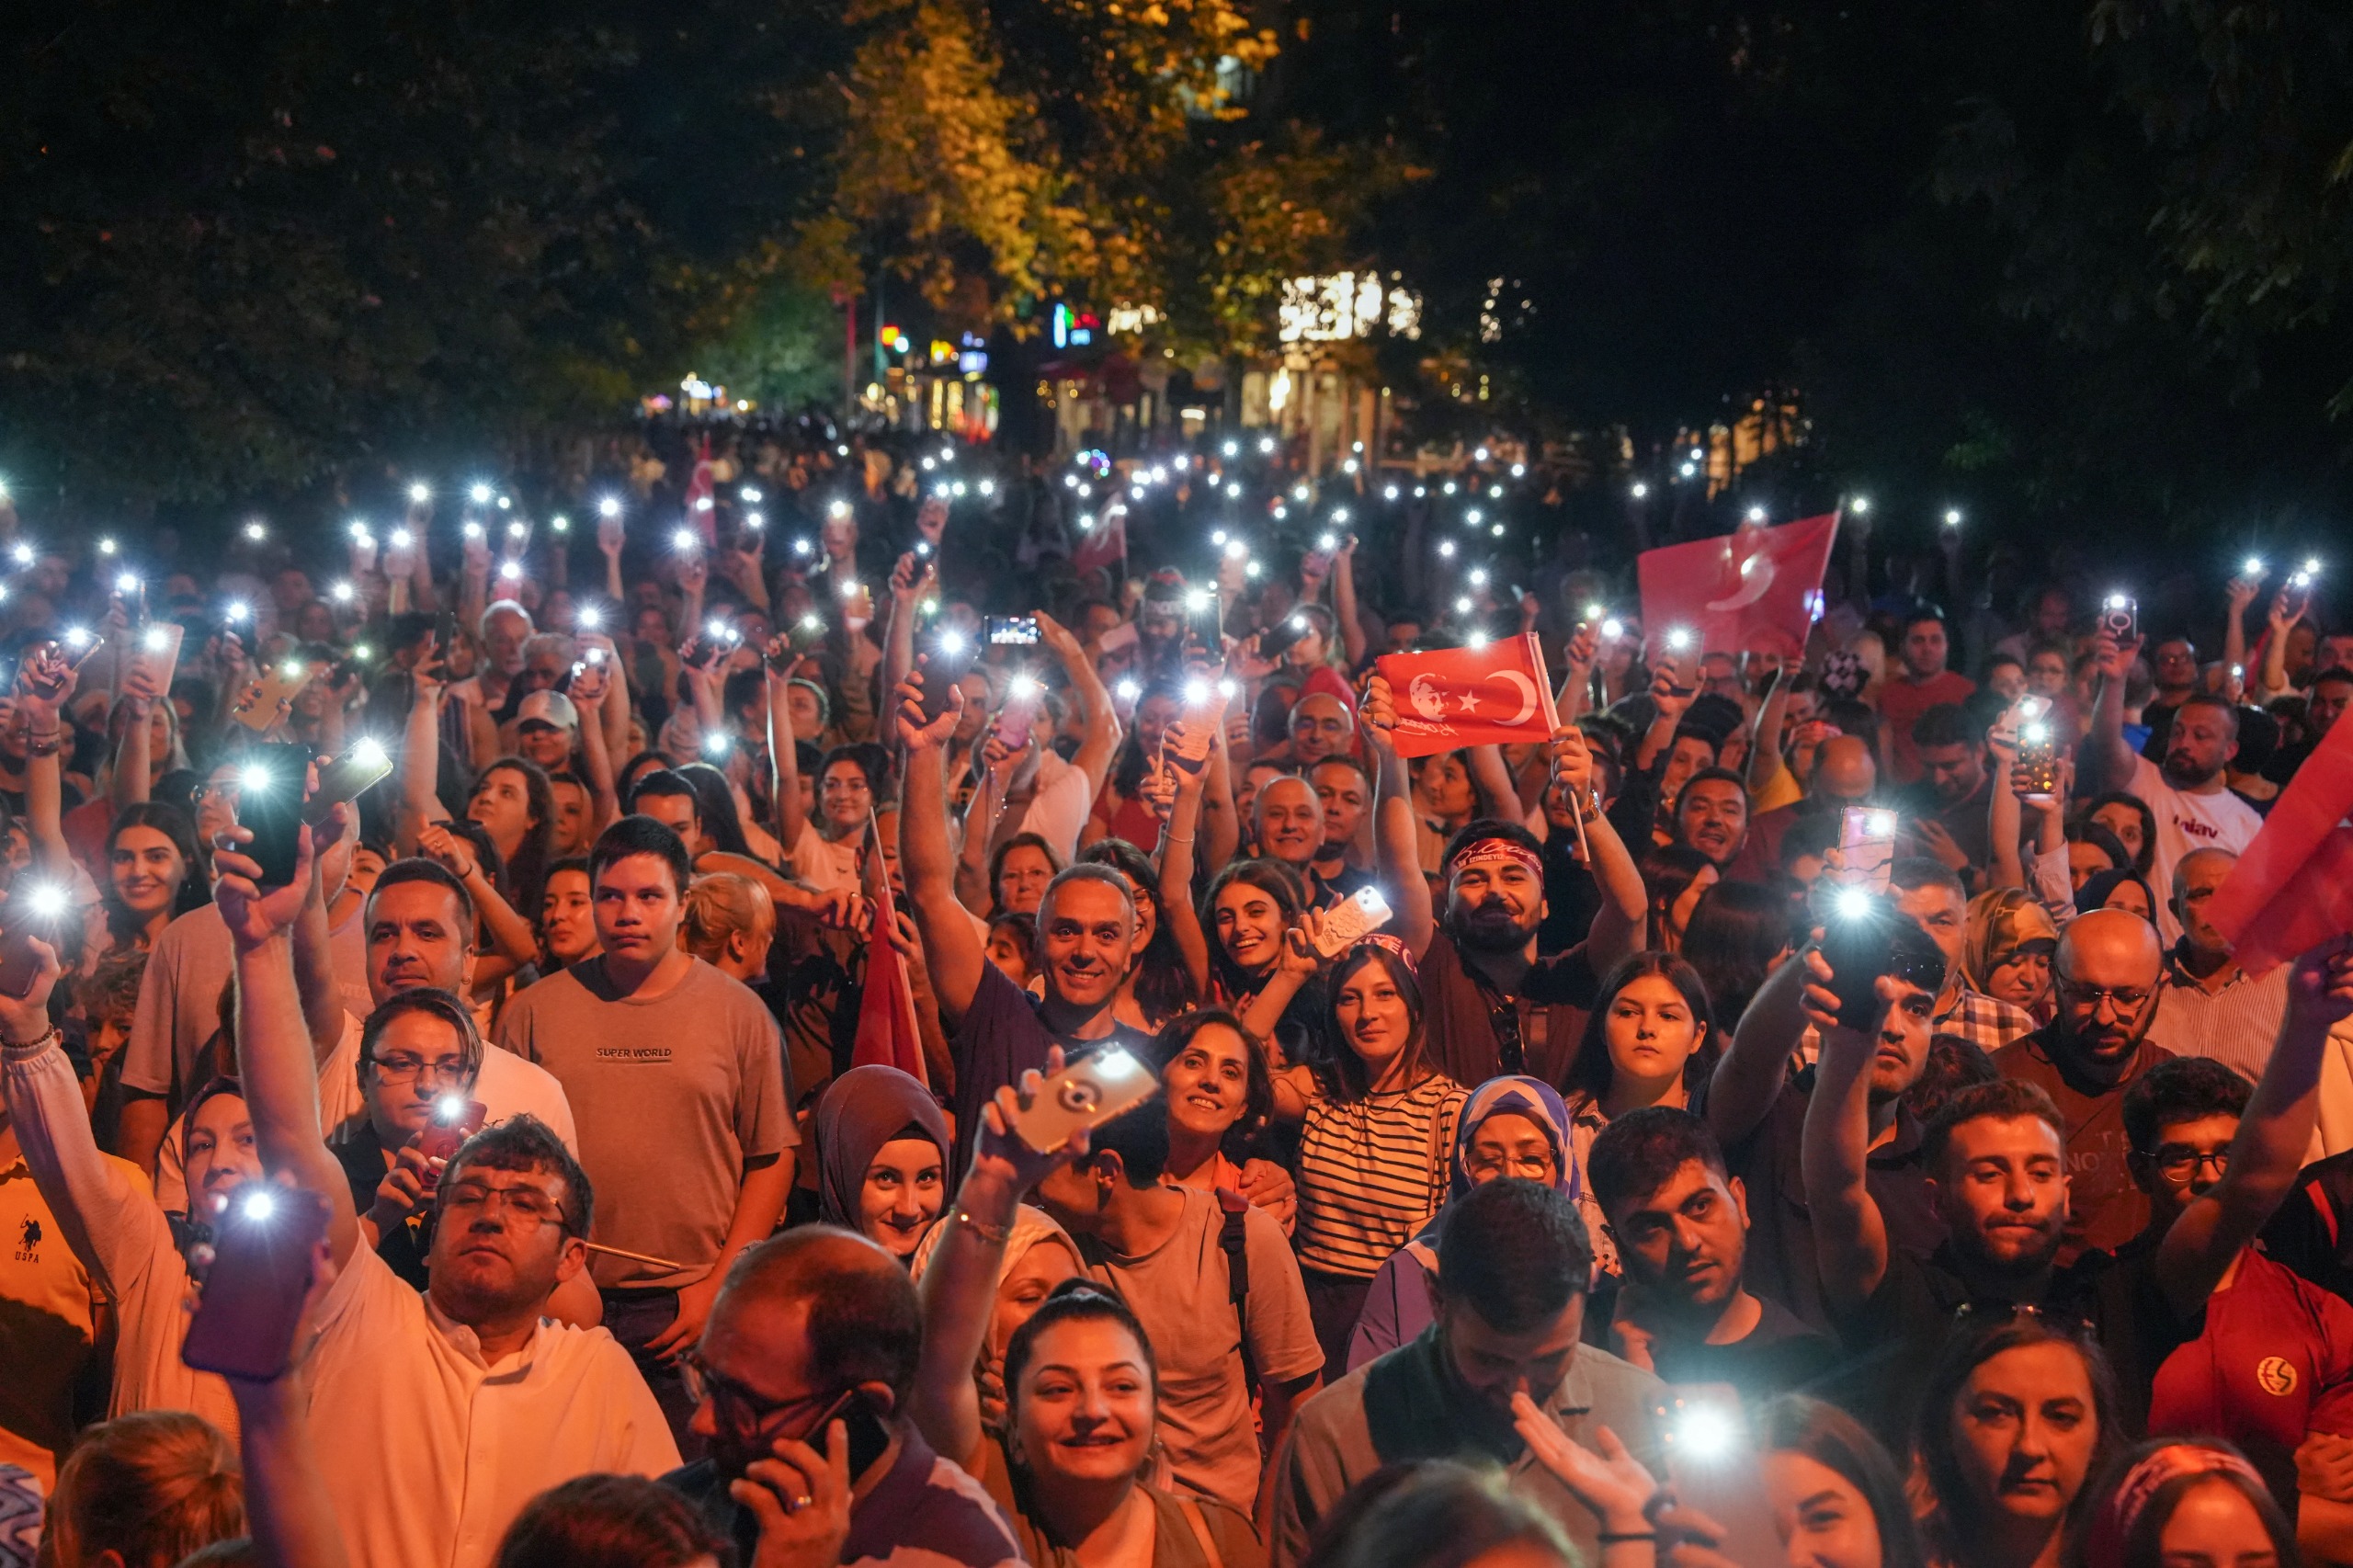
2274, 1347
1900, 703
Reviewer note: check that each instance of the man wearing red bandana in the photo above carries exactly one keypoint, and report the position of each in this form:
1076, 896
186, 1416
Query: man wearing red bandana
1493, 1005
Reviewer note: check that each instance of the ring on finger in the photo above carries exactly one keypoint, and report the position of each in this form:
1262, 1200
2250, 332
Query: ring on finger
795, 1505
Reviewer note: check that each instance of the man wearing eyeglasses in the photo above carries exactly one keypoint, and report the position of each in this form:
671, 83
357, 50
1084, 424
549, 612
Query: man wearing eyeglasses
2108, 968
474, 1399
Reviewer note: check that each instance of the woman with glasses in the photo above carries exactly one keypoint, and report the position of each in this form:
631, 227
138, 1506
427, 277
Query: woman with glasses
1509, 1126
2016, 1415
419, 1054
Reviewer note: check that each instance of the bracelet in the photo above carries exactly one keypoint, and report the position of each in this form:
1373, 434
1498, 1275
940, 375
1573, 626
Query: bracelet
1000, 1234
35, 1046
1627, 1538
47, 745
1173, 839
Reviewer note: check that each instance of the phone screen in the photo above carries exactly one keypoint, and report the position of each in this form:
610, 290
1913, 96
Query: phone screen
1714, 1469
269, 801
263, 1244
1013, 630
348, 777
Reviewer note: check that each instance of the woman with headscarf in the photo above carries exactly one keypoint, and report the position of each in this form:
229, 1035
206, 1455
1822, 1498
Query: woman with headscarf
2118, 890
882, 1149
1509, 1126
1039, 1254
2008, 951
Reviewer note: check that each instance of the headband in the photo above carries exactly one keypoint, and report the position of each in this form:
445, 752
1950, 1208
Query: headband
1495, 852
1382, 939
2113, 1525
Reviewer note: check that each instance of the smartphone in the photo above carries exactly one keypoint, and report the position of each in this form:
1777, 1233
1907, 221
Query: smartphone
1714, 1469
159, 652
1857, 941
1120, 636
445, 634
263, 1244
1013, 630
2038, 758
1866, 842
269, 803
940, 673
345, 778
2120, 617
1084, 1096
869, 1439
1187, 744
1019, 713
2297, 596
454, 1121
266, 701
33, 909
1356, 918
1208, 619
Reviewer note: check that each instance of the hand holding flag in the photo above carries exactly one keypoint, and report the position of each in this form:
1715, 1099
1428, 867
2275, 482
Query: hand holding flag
1451, 697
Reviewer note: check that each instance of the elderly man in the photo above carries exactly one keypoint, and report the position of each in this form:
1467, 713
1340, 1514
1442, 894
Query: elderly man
1320, 726
2207, 1005
2109, 972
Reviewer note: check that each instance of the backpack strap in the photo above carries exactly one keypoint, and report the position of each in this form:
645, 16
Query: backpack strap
1234, 1242
1192, 1512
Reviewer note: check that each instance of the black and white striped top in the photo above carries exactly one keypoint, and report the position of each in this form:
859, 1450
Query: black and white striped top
1372, 1172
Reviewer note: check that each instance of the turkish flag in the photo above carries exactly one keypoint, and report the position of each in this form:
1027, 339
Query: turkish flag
1469, 696
2292, 889
1103, 544
702, 512
886, 1010
1754, 588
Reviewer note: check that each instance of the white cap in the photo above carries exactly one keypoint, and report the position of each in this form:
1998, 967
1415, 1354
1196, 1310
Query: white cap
549, 708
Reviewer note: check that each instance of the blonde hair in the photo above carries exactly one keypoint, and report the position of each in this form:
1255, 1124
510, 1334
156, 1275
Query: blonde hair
154, 1487
720, 905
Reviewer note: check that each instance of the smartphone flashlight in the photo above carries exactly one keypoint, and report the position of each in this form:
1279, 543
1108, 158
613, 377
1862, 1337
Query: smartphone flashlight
1129, 690
587, 618
683, 540
1613, 629
403, 538
1022, 686
2253, 566
239, 612
803, 547
472, 530
1882, 824
420, 492
715, 744
1678, 638
812, 623
1852, 904
259, 1204
2035, 734
1706, 1431
154, 641
480, 493
369, 752
77, 637
2120, 601
1327, 543
610, 507
450, 1109
560, 523
47, 900
1196, 692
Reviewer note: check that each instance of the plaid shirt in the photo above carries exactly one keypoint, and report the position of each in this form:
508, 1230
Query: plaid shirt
1987, 1022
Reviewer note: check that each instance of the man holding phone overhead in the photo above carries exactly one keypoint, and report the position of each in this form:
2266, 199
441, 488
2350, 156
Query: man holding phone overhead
474, 1401
1086, 929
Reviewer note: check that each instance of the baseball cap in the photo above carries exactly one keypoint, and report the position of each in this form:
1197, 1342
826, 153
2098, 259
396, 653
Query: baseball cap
552, 708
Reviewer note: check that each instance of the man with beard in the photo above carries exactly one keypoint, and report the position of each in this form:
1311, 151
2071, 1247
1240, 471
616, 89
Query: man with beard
1950, 806
1086, 931
1683, 1308
1513, 1267
815, 1338
2190, 794
1491, 1005
2107, 984
1711, 815
474, 1400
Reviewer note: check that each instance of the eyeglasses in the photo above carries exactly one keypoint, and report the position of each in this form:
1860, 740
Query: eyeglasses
529, 1206
2180, 1165
450, 1070
1993, 1312
2129, 999
737, 1406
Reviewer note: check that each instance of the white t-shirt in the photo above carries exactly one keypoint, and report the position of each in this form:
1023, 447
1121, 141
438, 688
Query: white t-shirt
439, 1449
2188, 822
1059, 809
824, 863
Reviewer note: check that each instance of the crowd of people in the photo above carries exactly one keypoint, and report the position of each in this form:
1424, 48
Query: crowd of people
1800, 1111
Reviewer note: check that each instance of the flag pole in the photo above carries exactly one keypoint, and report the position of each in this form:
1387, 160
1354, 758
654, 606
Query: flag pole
1552, 728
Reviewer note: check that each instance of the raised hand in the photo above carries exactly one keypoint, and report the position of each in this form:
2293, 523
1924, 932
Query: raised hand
254, 916
1378, 712
2320, 986
915, 733
1572, 763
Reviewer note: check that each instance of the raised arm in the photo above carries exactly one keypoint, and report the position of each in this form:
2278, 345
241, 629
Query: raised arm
1619, 925
1749, 1075
421, 754
1398, 849
951, 949
593, 689
2105, 755
1178, 854
1849, 1235
784, 756
1344, 602
1100, 743
1575, 696
281, 1079
908, 587
43, 683
2273, 1136
134, 753
1765, 763
2237, 594
314, 979
960, 1286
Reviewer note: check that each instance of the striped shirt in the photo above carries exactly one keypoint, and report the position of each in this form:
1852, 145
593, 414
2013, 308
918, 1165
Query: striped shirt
2236, 1025
1372, 1172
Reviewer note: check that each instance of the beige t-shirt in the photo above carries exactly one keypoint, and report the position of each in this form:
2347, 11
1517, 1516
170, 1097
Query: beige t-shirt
1179, 1292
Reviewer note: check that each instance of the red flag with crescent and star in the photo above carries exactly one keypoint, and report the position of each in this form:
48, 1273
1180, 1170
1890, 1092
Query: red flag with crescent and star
2292, 888
1468, 697
1103, 542
1754, 588
702, 515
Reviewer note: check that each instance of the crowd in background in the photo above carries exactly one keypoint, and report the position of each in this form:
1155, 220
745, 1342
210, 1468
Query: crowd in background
1655, 1181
